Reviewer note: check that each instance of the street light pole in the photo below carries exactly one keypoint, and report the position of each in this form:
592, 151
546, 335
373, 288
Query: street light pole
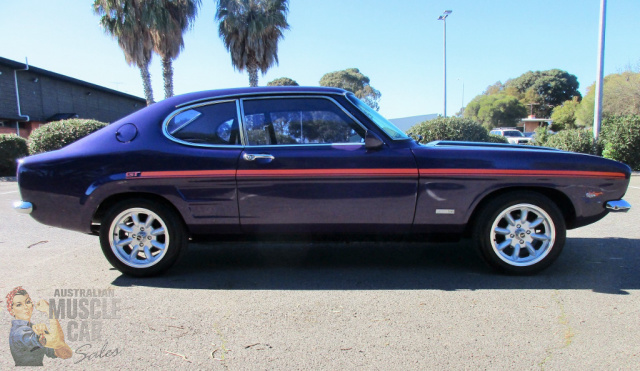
597, 116
443, 18
462, 107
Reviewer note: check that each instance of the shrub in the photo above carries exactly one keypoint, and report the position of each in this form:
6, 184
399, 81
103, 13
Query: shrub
453, 128
574, 140
621, 139
497, 139
58, 134
12, 147
541, 136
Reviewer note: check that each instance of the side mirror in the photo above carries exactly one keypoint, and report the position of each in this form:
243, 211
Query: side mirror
418, 138
372, 141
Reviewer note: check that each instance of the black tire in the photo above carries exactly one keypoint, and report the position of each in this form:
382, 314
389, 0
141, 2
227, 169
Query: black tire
515, 246
139, 246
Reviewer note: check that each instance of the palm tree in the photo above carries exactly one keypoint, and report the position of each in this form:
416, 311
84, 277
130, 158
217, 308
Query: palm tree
250, 30
168, 20
124, 21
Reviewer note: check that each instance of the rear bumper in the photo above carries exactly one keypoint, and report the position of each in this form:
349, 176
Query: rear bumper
23, 207
618, 206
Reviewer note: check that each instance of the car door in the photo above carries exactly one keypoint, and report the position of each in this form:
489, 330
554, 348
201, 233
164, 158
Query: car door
305, 169
208, 140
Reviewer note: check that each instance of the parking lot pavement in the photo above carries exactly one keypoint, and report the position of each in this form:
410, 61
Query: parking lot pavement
332, 305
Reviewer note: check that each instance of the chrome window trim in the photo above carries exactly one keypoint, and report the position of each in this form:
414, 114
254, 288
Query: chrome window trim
174, 113
240, 114
303, 145
242, 100
245, 136
183, 125
256, 94
373, 121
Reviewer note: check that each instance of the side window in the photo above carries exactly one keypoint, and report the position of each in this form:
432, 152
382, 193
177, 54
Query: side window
214, 124
285, 121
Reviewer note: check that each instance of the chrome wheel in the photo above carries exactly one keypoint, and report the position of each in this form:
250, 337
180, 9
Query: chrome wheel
520, 232
138, 237
522, 235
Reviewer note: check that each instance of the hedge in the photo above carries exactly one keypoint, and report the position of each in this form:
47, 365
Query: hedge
573, 140
453, 128
58, 134
12, 147
620, 139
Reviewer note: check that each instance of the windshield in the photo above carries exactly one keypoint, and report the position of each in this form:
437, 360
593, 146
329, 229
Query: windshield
513, 133
390, 129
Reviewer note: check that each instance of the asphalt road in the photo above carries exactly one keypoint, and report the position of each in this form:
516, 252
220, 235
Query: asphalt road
333, 305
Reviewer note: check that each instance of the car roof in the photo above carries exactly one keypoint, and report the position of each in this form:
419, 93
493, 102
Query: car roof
183, 99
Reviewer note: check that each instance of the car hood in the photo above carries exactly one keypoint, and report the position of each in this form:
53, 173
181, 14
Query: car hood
472, 155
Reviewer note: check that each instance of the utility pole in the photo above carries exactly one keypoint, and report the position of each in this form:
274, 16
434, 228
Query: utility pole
443, 18
597, 115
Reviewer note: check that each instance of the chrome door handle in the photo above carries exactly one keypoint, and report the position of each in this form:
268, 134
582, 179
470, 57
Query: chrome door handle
251, 157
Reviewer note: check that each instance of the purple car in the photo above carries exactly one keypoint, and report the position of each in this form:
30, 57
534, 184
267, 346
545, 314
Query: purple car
308, 162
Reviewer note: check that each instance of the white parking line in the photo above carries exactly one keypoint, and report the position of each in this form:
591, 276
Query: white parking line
6, 193
634, 187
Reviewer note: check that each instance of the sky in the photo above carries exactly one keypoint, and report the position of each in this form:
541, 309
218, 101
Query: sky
397, 44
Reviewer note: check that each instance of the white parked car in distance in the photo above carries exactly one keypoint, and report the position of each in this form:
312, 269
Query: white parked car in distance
513, 135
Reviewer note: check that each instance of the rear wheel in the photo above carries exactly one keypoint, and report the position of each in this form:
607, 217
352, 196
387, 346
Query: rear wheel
142, 238
520, 233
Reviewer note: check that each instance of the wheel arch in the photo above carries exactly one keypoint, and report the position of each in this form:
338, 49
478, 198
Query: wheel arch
112, 200
560, 199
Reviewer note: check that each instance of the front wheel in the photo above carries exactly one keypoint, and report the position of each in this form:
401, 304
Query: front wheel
142, 238
520, 233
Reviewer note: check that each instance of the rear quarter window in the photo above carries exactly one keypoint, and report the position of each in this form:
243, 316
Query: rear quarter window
212, 124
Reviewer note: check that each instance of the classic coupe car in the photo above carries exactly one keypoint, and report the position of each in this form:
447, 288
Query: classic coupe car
307, 161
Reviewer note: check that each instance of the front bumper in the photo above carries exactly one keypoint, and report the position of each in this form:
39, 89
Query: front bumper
618, 206
23, 207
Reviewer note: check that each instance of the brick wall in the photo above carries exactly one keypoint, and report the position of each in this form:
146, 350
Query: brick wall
43, 95
8, 107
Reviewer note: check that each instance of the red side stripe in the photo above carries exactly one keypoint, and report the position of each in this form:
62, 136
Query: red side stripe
187, 174
328, 172
291, 173
529, 173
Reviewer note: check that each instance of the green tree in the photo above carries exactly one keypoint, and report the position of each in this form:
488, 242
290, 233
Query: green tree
250, 30
496, 88
168, 20
124, 20
495, 110
546, 88
564, 116
621, 96
283, 81
352, 80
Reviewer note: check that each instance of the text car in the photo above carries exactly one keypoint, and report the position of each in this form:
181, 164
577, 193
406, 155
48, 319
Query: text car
311, 161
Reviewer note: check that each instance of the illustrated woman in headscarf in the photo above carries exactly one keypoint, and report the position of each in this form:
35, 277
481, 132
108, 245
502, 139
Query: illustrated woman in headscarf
29, 343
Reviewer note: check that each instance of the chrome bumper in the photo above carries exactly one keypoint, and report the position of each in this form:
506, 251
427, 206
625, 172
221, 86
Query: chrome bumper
618, 206
23, 207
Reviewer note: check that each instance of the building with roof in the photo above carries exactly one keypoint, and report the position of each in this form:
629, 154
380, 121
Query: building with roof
531, 123
31, 97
